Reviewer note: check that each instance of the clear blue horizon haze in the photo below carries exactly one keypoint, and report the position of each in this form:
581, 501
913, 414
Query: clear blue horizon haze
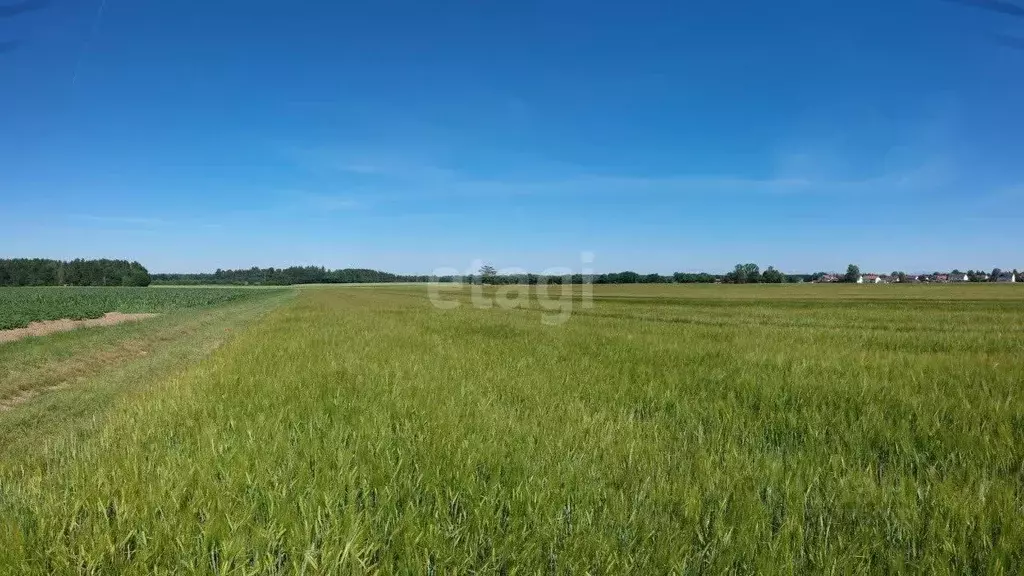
407, 136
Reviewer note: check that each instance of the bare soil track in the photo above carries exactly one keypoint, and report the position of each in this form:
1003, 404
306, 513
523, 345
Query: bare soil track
50, 326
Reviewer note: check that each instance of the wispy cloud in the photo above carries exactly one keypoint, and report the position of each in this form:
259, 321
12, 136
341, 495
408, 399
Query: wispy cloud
383, 177
306, 200
601, 185
332, 203
1007, 201
363, 169
369, 161
999, 6
10, 10
130, 220
143, 222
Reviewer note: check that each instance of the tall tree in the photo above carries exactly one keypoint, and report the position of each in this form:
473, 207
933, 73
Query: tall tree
772, 276
752, 272
738, 275
488, 274
852, 273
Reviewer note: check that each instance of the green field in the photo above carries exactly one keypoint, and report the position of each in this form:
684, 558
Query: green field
665, 429
20, 306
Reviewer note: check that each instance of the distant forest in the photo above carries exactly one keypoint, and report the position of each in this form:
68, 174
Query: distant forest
285, 276
487, 275
43, 272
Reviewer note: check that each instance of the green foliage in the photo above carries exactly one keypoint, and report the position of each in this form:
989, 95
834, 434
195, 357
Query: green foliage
773, 276
320, 275
627, 277
20, 306
42, 272
697, 278
852, 273
698, 429
744, 274
488, 274
287, 276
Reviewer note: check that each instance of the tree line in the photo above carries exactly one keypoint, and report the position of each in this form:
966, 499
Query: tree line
79, 272
982, 276
979, 275
742, 274
43, 272
287, 276
486, 275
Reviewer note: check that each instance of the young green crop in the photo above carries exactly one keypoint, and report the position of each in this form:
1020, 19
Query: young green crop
20, 306
664, 430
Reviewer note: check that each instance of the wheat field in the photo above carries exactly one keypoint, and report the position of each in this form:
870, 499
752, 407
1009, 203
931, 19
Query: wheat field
662, 429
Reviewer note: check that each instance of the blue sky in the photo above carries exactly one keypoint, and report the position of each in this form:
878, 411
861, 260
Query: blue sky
411, 135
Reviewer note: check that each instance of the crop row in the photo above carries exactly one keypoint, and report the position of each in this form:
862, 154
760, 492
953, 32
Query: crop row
21, 306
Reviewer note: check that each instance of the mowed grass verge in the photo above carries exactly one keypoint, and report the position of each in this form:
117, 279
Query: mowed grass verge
362, 430
50, 384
